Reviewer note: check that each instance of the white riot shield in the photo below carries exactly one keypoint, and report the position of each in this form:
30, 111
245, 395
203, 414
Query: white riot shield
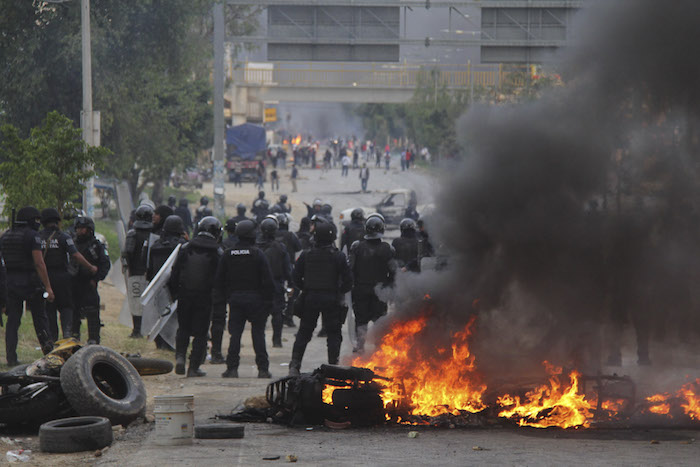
159, 309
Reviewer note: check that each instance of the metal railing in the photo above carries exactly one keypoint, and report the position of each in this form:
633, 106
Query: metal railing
294, 74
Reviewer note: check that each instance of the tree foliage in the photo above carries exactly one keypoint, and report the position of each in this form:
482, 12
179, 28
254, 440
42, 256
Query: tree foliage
151, 62
46, 169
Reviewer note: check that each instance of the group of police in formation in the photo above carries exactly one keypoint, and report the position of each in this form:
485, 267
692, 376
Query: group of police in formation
250, 270
54, 273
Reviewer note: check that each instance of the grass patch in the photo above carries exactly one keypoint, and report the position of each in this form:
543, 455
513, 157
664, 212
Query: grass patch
109, 230
191, 196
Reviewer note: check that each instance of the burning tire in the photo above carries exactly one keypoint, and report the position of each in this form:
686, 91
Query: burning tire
98, 381
75, 434
151, 366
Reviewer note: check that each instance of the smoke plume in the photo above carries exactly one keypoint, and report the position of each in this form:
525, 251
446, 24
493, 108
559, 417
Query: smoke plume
579, 210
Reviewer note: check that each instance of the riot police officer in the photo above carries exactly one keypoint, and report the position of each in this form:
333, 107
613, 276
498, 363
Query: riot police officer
323, 275
293, 245
287, 238
184, 213
57, 247
85, 295
202, 210
231, 238
171, 236
372, 263
240, 214
26, 274
407, 246
245, 279
353, 230
191, 282
282, 206
137, 239
261, 207
281, 267
304, 233
159, 215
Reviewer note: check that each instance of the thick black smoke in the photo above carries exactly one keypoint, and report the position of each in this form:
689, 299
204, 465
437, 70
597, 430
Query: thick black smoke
579, 209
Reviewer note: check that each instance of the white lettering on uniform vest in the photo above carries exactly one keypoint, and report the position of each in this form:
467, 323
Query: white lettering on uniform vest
240, 252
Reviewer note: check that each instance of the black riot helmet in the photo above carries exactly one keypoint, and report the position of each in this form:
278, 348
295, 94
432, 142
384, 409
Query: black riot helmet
283, 198
49, 215
326, 209
407, 224
245, 230
374, 228
84, 221
27, 214
261, 194
241, 209
173, 225
324, 234
143, 217
172, 201
230, 226
206, 212
203, 200
269, 227
357, 214
210, 225
283, 221
376, 214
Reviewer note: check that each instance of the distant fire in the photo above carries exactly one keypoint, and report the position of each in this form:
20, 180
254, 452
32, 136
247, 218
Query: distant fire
442, 380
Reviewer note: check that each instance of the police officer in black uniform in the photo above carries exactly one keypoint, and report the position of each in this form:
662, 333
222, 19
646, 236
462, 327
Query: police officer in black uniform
372, 263
172, 235
281, 267
240, 213
304, 233
159, 215
323, 275
26, 274
85, 295
282, 206
353, 230
287, 238
58, 247
293, 245
184, 213
202, 210
407, 246
191, 283
231, 238
137, 240
261, 207
245, 279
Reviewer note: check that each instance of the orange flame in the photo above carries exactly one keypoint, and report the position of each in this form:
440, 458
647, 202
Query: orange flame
433, 381
659, 404
327, 394
296, 140
555, 404
689, 393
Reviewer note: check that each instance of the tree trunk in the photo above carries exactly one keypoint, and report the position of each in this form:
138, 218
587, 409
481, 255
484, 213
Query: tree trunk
157, 195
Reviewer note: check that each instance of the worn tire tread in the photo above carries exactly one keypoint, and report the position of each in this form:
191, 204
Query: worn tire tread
93, 433
219, 431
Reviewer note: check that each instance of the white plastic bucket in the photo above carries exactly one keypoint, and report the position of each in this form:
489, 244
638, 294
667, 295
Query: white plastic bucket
174, 419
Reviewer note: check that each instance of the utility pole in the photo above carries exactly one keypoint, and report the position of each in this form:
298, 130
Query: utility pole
87, 119
219, 169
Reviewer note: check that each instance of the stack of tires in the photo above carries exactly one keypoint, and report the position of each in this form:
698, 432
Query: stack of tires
97, 384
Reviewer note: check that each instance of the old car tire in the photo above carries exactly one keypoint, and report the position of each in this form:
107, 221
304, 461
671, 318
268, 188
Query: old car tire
98, 381
219, 431
151, 366
75, 434
44, 406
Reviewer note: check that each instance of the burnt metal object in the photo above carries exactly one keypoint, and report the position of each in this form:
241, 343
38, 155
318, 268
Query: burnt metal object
611, 388
357, 397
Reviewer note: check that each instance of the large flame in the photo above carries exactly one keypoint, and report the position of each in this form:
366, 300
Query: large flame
554, 404
432, 381
691, 399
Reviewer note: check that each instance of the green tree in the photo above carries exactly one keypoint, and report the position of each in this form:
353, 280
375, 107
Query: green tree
151, 70
49, 167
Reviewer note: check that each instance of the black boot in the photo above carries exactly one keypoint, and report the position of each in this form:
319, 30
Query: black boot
289, 321
194, 371
295, 366
180, 365
136, 332
92, 315
230, 373
264, 374
277, 338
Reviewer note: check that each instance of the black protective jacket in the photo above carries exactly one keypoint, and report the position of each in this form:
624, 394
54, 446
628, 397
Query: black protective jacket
244, 270
195, 266
372, 262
